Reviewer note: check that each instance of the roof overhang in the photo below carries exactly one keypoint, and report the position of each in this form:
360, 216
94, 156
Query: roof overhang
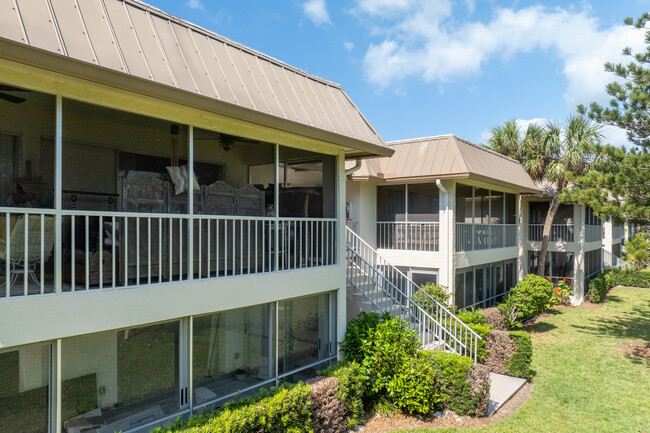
46, 60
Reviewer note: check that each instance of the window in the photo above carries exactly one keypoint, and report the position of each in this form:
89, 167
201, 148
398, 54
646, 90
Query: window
423, 202
422, 277
511, 209
558, 264
486, 285
391, 203
464, 204
24, 389
128, 378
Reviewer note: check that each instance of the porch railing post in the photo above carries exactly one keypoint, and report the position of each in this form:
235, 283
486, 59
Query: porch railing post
58, 200
190, 204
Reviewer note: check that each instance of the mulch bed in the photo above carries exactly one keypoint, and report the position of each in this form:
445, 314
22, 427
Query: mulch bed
383, 424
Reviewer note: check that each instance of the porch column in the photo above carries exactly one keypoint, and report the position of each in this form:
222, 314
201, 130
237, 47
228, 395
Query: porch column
579, 256
341, 293
190, 203
58, 185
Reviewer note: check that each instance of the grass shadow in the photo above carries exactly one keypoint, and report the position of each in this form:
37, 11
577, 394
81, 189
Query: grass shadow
631, 324
540, 327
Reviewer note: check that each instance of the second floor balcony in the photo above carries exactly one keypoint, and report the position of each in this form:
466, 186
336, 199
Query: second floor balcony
559, 232
410, 236
474, 237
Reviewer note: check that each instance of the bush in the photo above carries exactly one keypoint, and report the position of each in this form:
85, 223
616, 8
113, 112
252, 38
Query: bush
283, 409
529, 298
519, 363
350, 390
482, 331
606, 280
385, 350
356, 331
471, 316
437, 292
413, 388
328, 413
463, 386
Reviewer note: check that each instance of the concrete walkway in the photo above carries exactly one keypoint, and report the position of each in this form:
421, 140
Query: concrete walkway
501, 389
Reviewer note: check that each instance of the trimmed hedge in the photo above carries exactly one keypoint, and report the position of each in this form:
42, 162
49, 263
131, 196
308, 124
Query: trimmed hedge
519, 363
606, 280
350, 390
463, 386
283, 409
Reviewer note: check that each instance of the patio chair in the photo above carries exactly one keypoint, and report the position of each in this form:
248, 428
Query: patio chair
26, 261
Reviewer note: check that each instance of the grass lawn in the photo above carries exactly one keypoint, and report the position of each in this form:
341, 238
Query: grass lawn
583, 382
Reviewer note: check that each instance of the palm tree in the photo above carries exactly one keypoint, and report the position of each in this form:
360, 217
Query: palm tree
554, 153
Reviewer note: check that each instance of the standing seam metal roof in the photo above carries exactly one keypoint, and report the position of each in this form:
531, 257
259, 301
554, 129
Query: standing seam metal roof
446, 156
137, 39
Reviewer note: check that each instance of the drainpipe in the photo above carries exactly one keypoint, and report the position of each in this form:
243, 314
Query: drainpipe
356, 167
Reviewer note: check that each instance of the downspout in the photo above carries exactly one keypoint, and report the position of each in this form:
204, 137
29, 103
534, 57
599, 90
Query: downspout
356, 167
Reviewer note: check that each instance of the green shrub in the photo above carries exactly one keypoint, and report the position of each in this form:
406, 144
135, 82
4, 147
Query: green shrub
606, 280
471, 316
529, 298
385, 350
283, 409
437, 292
482, 330
350, 391
519, 363
453, 381
357, 331
413, 387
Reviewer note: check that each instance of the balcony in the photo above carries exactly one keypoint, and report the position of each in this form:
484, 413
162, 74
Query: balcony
559, 232
410, 236
475, 237
593, 233
120, 200
128, 249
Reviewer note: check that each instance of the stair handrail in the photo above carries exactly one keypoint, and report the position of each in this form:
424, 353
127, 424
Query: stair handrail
615, 260
414, 304
352, 236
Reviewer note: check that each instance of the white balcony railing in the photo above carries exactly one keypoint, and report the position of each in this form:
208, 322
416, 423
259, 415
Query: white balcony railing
125, 249
414, 236
559, 232
472, 237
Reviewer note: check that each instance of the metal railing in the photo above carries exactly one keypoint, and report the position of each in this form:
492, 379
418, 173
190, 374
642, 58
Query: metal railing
126, 249
352, 225
559, 232
618, 231
612, 261
413, 236
473, 237
390, 291
593, 233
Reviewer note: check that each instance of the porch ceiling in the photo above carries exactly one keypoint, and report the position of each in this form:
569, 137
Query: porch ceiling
136, 47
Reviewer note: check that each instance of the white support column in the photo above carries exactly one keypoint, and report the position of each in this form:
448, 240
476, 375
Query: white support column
58, 187
55, 393
579, 262
276, 206
190, 203
609, 235
341, 294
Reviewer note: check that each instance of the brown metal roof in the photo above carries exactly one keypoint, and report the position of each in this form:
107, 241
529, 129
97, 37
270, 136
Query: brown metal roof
446, 157
141, 41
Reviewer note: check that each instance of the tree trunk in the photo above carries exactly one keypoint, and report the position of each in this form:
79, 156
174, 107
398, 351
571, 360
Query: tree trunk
546, 234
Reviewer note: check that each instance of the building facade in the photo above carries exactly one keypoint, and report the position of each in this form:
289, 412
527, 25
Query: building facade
171, 220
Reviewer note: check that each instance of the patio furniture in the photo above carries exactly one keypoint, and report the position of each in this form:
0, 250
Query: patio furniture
40, 244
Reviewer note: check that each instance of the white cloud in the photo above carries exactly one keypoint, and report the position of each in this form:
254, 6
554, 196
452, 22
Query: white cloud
195, 4
611, 134
424, 39
316, 11
348, 45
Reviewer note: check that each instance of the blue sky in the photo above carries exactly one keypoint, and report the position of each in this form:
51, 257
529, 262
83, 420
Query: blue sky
426, 67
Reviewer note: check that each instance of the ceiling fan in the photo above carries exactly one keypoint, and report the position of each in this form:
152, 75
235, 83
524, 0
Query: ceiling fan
11, 98
226, 141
